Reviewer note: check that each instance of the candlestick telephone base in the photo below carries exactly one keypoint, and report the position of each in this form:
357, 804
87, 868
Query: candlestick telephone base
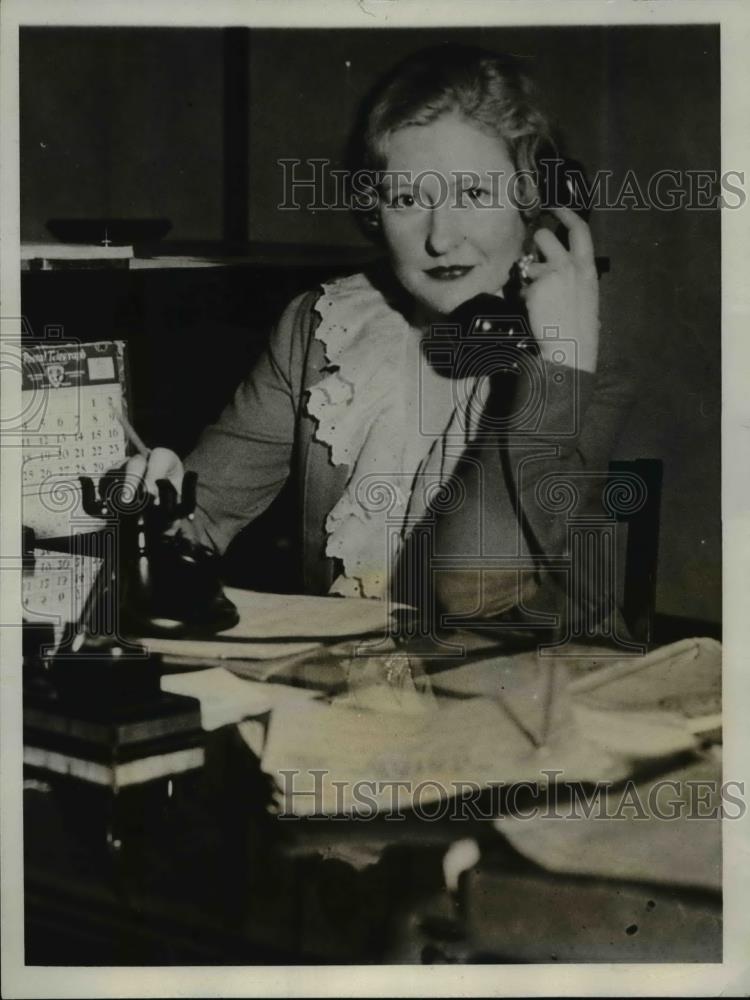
165, 583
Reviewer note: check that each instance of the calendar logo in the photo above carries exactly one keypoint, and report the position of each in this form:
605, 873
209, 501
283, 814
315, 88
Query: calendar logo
55, 375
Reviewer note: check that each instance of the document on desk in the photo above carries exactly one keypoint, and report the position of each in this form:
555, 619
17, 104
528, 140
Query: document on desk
302, 616
226, 649
659, 831
357, 752
664, 829
226, 699
348, 761
623, 701
273, 626
339, 757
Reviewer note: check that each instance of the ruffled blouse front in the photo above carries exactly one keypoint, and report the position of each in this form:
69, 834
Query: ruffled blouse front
397, 425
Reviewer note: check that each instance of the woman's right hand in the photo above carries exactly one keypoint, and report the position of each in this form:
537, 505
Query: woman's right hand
161, 463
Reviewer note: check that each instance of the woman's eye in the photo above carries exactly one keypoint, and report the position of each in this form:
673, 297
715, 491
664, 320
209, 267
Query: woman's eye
403, 201
476, 194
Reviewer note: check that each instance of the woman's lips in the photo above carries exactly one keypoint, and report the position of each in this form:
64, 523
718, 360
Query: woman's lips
449, 273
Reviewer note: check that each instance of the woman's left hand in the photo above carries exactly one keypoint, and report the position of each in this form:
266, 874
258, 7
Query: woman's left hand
564, 293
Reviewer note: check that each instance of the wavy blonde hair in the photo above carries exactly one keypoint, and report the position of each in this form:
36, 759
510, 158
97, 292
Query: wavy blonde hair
486, 88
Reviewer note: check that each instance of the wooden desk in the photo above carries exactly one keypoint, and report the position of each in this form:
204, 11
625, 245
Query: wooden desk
195, 870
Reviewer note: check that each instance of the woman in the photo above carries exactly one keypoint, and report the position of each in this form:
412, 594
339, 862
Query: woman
386, 446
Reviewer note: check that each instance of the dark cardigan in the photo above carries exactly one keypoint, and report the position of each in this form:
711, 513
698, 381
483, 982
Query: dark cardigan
512, 508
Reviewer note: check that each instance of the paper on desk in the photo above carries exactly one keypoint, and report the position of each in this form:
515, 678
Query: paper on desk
468, 744
623, 703
226, 649
274, 626
687, 668
365, 752
484, 728
684, 676
649, 832
227, 699
531, 690
297, 616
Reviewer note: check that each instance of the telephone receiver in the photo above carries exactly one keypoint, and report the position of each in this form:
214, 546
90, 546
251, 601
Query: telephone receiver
562, 182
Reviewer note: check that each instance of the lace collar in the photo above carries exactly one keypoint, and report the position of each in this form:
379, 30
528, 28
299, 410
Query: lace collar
386, 414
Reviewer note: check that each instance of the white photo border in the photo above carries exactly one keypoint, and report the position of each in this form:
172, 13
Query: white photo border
731, 978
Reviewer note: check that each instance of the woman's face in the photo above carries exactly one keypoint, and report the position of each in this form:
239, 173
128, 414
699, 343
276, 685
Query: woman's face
449, 239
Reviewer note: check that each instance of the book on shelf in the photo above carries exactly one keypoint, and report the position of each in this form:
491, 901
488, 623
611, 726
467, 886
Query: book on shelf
114, 766
113, 724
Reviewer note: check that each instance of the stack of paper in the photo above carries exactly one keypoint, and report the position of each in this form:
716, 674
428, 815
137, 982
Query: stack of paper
274, 626
226, 699
505, 720
297, 616
502, 720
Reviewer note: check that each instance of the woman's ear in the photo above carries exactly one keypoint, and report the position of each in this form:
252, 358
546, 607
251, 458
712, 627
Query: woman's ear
371, 225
